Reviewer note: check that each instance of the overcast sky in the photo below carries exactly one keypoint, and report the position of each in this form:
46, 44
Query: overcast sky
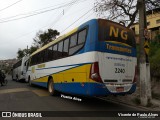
19, 33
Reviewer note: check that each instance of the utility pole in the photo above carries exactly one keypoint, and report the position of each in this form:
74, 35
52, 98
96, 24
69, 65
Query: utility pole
145, 82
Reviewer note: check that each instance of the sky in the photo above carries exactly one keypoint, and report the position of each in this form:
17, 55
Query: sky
17, 29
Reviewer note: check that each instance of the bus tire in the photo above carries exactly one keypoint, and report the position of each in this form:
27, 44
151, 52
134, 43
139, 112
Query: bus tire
51, 89
12, 78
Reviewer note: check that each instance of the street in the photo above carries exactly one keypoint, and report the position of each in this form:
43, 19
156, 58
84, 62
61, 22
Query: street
19, 96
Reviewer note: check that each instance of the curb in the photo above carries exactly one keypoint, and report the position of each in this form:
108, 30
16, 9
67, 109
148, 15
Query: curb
141, 108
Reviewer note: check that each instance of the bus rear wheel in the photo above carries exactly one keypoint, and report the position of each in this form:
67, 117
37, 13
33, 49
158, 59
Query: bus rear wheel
51, 89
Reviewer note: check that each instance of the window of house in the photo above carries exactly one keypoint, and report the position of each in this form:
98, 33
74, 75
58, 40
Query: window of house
158, 21
148, 23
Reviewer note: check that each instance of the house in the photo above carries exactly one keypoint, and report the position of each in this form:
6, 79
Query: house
153, 25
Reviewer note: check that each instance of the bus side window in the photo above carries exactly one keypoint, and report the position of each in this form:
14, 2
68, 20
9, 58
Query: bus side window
65, 49
38, 58
60, 49
31, 61
46, 55
42, 56
55, 52
50, 53
34, 60
82, 36
81, 40
73, 40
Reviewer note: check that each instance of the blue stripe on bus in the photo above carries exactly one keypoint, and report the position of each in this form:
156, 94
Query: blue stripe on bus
103, 48
75, 65
133, 54
91, 89
42, 84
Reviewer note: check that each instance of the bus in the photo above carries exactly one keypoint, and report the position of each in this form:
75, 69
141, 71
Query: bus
19, 69
98, 58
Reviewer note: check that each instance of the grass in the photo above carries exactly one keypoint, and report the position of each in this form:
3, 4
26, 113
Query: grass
156, 95
136, 100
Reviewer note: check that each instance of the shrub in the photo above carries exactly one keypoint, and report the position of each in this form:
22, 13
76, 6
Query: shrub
154, 57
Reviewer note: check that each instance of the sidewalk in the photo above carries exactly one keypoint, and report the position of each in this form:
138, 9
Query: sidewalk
134, 101
156, 103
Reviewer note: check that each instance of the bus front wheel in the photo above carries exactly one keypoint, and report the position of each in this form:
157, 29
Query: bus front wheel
51, 87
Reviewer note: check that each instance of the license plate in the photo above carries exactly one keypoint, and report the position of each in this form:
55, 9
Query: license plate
120, 89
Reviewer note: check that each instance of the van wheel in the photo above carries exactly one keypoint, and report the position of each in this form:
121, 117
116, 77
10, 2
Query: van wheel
51, 89
17, 79
29, 81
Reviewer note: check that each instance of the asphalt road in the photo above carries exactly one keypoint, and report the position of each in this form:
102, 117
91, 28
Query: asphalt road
19, 96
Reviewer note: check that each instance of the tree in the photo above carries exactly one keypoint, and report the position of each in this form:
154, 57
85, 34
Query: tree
32, 49
21, 53
42, 38
122, 11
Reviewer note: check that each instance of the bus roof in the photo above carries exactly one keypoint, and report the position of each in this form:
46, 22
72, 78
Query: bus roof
66, 35
54, 41
59, 39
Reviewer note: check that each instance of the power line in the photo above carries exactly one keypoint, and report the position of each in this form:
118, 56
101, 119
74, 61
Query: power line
10, 5
60, 15
77, 20
87, 17
33, 14
45, 25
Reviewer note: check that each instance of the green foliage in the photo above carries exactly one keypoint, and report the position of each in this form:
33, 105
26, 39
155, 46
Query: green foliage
21, 53
157, 37
136, 100
154, 46
155, 95
42, 38
154, 57
32, 49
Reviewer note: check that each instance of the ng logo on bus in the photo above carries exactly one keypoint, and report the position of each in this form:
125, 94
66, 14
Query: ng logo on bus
119, 36
115, 32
